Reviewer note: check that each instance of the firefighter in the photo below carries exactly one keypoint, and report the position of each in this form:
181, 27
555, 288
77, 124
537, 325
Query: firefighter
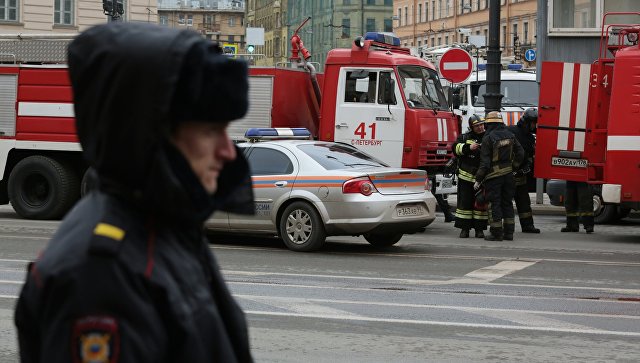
524, 132
129, 275
469, 214
500, 154
578, 204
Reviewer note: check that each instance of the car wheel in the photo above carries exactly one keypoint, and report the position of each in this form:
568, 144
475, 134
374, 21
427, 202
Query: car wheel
603, 213
301, 228
42, 188
383, 239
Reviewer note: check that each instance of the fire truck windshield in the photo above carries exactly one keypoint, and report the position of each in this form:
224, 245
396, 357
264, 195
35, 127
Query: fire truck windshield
422, 88
517, 93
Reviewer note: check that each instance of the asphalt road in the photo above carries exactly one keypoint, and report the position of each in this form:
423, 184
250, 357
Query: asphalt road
433, 297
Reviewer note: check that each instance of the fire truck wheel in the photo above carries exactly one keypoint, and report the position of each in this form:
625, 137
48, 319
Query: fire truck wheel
301, 227
42, 188
603, 213
383, 240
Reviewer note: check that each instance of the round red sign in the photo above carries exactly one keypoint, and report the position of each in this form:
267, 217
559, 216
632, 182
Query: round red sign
455, 65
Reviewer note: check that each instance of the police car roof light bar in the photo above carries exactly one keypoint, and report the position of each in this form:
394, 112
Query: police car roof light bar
298, 133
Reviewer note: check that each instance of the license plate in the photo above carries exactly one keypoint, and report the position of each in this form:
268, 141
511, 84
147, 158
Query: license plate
447, 183
414, 210
574, 163
441, 152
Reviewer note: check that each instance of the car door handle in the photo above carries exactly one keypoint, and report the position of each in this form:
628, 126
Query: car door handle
281, 184
342, 125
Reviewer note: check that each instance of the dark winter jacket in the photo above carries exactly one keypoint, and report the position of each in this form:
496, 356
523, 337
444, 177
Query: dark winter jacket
527, 140
500, 153
129, 276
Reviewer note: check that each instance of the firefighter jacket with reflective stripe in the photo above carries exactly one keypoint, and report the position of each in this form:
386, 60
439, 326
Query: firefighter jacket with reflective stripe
468, 160
500, 153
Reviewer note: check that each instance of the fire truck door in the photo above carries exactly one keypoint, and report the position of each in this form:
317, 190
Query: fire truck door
364, 120
562, 121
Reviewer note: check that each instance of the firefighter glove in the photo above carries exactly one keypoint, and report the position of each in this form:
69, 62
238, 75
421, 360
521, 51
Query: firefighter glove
476, 186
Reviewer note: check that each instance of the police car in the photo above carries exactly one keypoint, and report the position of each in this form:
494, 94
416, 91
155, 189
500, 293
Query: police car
306, 190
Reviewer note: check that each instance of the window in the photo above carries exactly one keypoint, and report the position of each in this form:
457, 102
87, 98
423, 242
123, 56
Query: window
525, 32
446, 40
388, 25
346, 2
336, 156
264, 161
419, 13
406, 16
426, 11
388, 2
400, 16
439, 9
9, 10
371, 24
433, 10
62, 13
577, 17
360, 86
189, 20
515, 33
346, 28
232, 21
422, 88
504, 36
371, 2
164, 20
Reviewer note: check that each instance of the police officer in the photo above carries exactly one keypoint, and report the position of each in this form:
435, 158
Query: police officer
500, 154
525, 134
129, 275
578, 205
469, 214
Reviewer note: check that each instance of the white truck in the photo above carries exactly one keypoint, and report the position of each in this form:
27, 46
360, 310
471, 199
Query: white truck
519, 88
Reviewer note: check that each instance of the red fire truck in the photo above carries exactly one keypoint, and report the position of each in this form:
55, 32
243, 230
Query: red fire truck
375, 96
589, 120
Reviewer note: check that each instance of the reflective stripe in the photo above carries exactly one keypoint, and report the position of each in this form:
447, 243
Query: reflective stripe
110, 231
459, 148
466, 175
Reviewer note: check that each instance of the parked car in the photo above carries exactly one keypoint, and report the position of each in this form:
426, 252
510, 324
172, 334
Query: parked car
306, 190
602, 213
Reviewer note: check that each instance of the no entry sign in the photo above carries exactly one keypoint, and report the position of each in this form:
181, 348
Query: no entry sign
455, 65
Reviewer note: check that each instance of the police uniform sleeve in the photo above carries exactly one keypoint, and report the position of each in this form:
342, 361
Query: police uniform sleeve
98, 311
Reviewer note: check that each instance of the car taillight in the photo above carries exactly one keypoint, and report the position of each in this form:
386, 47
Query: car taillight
362, 185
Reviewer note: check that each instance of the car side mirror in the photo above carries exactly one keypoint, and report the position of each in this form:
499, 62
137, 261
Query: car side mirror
388, 94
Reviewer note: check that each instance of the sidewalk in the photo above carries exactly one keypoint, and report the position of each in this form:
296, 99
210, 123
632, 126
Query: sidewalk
541, 209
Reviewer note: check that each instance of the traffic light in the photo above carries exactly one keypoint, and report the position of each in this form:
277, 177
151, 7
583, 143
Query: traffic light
516, 48
251, 48
107, 6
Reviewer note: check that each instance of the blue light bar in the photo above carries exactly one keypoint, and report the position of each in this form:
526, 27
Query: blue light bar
386, 38
482, 66
514, 67
277, 133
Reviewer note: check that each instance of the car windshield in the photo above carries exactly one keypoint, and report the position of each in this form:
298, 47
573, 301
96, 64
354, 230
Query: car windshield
422, 88
516, 93
339, 156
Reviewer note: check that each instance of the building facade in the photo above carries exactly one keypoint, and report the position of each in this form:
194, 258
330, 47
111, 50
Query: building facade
271, 15
569, 30
226, 26
432, 23
38, 31
336, 23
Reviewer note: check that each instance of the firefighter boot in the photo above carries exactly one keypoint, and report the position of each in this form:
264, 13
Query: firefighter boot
572, 225
588, 223
495, 234
464, 233
530, 229
479, 233
509, 228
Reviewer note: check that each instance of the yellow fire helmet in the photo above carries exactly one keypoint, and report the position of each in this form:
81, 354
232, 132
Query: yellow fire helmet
493, 116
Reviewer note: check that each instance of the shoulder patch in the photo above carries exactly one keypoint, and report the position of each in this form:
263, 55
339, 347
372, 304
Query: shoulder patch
109, 231
95, 339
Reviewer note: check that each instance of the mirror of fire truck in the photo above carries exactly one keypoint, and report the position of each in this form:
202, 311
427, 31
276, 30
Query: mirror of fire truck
386, 93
